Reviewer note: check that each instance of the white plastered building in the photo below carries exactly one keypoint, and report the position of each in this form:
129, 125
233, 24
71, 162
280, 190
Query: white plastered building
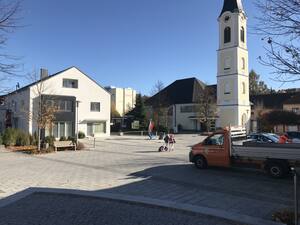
83, 105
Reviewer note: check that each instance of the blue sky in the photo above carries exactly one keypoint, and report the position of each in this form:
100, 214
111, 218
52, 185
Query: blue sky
128, 43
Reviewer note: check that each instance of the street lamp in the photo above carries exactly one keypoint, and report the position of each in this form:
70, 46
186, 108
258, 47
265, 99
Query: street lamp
77, 124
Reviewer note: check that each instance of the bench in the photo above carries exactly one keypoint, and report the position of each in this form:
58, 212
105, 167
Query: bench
63, 144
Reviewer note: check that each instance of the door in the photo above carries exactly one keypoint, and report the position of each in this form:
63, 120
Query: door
215, 152
90, 129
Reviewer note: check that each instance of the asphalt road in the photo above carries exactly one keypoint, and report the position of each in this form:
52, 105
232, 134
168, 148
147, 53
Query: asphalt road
60, 209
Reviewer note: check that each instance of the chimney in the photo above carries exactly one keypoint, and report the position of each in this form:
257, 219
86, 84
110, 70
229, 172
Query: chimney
44, 73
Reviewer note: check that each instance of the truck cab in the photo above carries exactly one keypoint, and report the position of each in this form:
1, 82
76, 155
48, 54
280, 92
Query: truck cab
214, 149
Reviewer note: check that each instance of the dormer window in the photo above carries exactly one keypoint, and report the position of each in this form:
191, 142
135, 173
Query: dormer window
227, 35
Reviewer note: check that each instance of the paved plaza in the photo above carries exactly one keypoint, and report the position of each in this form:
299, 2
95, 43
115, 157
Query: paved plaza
131, 166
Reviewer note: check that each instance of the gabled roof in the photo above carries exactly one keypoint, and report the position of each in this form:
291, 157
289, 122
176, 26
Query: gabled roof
293, 100
273, 100
232, 6
182, 91
49, 77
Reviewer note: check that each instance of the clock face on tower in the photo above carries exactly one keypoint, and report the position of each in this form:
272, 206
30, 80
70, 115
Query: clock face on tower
226, 19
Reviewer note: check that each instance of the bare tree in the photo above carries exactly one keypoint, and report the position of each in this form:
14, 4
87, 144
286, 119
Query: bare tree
160, 104
157, 88
206, 107
9, 11
43, 111
279, 23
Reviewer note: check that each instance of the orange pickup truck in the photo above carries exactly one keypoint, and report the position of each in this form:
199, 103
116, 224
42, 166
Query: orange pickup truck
219, 150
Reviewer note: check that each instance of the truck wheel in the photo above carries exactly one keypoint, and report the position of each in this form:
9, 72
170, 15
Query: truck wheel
276, 169
200, 162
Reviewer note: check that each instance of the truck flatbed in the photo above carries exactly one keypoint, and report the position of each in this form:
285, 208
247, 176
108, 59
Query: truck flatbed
267, 151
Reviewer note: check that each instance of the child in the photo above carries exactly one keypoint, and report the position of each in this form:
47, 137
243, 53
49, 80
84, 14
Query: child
171, 140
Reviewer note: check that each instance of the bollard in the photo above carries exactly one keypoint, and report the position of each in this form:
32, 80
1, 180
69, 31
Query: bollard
94, 142
295, 195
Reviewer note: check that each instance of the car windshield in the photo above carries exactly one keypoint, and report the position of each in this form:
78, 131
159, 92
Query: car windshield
273, 137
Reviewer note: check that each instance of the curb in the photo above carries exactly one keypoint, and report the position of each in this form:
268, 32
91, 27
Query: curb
143, 200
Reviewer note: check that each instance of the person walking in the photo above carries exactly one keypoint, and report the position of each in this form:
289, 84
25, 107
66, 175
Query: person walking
171, 140
150, 129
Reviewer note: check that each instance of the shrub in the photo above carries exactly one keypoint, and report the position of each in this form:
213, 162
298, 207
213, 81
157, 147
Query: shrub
72, 139
1, 142
12, 137
33, 139
50, 140
81, 135
62, 139
9, 137
22, 138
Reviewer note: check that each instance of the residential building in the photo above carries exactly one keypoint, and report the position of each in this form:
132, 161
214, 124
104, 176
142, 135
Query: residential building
81, 105
264, 103
293, 104
122, 99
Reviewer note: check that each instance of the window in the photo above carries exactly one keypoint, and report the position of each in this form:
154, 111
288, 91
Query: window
96, 128
244, 87
95, 106
243, 62
62, 129
227, 88
217, 139
243, 34
227, 35
62, 132
295, 110
60, 105
65, 106
227, 63
70, 83
244, 120
99, 128
187, 109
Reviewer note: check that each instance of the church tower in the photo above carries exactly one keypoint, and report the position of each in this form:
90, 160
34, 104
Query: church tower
233, 75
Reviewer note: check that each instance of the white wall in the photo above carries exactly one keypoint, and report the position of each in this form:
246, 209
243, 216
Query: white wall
183, 118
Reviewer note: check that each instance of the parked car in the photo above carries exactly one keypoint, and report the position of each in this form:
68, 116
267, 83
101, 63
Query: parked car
294, 136
264, 138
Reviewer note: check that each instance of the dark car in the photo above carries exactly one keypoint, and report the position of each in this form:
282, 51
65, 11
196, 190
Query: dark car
264, 138
293, 134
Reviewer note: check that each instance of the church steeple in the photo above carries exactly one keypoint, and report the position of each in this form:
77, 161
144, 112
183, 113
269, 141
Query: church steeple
232, 6
233, 74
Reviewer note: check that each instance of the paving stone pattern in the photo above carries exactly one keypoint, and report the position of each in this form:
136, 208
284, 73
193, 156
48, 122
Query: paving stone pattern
132, 166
